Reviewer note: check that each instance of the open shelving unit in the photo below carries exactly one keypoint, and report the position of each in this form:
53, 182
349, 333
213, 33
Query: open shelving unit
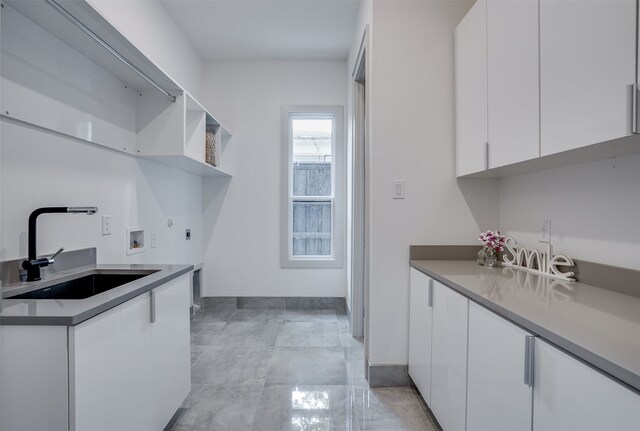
174, 134
67, 69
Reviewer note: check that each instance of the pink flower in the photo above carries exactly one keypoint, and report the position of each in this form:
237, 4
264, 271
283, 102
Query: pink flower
493, 240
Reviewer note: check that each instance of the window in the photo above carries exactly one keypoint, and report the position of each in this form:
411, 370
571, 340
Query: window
313, 188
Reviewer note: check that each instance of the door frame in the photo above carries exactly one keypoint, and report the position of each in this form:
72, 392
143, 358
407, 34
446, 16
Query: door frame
360, 181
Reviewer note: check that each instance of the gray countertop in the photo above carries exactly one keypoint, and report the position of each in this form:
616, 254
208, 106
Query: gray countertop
599, 326
70, 312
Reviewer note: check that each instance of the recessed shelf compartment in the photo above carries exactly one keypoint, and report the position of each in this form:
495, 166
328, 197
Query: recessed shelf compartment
194, 134
66, 69
135, 240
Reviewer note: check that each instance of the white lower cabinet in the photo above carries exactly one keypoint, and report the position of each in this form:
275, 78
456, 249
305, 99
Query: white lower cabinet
170, 351
569, 395
109, 372
479, 372
449, 358
497, 396
126, 369
130, 366
33, 378
420, 323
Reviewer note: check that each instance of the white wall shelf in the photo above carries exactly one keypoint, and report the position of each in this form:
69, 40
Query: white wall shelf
188, 164
46, 15
68, 70
174, 134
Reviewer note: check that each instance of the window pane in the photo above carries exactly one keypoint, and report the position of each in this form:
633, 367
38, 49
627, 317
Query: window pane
312, 228
312, 139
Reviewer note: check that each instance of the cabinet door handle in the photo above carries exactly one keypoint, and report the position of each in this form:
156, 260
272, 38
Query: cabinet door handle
632, 109
529, 350
152, 314
430, 292
486, 155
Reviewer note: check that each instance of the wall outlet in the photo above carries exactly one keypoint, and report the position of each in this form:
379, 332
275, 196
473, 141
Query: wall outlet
154, 240
397, 191
545, 231
187, 234
106, 225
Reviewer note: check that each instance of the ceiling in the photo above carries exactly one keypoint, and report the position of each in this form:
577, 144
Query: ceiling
267, 29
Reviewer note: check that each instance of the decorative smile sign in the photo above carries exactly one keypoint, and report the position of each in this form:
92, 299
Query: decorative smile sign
537, 261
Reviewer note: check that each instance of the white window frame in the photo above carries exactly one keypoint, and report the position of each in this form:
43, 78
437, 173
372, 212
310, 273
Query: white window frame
338, 156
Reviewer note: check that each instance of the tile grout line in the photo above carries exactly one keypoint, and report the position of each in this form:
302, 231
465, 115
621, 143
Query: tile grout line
255, 415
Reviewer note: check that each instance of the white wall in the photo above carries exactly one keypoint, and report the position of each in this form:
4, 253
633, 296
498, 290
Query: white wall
153, 31
242, 216
412, 108
594, 210
593, 207
43, 169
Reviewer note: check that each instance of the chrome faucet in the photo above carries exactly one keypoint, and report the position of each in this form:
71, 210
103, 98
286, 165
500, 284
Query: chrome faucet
32, 265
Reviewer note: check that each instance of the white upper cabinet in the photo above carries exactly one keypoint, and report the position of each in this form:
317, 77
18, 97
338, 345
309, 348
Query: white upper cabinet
497, 396
471, 90
513, 81
420, 323
569, 395
587, 60
536, 78
497, 85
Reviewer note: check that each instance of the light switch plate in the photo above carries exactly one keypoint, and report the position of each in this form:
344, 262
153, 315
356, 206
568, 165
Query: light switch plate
545, 231
106, 225
397, 191
154, 240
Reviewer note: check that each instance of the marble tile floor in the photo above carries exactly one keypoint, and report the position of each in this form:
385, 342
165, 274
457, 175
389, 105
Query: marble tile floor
287, 370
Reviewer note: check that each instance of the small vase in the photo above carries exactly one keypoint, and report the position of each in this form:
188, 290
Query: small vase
487, 257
